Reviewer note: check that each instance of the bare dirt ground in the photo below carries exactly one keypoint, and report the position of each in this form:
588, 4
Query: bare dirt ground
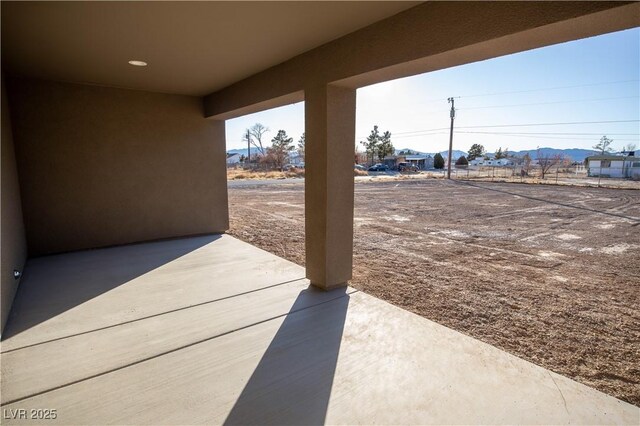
548, 273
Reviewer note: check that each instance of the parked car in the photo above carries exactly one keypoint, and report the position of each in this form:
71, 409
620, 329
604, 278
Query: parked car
293, 166
407, 167
379, 168
359, 167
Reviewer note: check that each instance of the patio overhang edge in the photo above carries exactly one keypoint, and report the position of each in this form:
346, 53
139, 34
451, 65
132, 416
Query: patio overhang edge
427, 37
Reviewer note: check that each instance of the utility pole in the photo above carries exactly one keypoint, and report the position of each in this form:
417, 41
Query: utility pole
248, 148
453, 115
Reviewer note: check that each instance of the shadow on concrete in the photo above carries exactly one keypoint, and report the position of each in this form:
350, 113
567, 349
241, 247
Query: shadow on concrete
292, 383
54, 284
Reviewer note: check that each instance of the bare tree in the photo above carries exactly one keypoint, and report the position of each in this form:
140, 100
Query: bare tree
255, 134
547, 161
360, 157
630, 147
603, 145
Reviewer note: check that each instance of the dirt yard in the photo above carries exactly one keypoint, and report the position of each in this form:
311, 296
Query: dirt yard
548, 273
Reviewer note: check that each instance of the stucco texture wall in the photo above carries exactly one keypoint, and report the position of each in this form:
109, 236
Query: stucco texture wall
101, 166
13, 247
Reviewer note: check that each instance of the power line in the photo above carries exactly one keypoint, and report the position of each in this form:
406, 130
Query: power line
425, 132
549, 88
422, 131
420, 135
542, 89
555, 133
549, 124
548, 103
547, 137
518, 135
534, 104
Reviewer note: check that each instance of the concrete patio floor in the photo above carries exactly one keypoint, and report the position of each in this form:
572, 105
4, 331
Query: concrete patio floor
213, 330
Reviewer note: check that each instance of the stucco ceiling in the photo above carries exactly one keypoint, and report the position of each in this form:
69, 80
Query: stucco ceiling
191, 47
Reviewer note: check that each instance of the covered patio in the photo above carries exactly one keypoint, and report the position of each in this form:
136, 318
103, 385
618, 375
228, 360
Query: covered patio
124, 302
211, 330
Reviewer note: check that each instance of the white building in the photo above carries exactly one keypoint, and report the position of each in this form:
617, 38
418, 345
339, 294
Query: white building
479, 161
233, 159
422, 162
296, 159
615, 166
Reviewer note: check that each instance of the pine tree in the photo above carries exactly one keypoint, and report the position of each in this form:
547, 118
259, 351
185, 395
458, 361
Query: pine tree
378, 145
462, 161
301, 145
385, 147
371, 144
475, 151
281, 146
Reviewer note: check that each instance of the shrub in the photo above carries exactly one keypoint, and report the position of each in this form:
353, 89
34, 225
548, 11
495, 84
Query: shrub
462, 161
438, 161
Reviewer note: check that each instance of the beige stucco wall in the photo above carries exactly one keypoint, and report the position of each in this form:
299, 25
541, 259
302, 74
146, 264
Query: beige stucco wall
330, 125
101, 166
13, 246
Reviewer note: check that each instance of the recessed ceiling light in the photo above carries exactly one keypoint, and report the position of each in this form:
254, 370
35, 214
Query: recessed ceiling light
138, 63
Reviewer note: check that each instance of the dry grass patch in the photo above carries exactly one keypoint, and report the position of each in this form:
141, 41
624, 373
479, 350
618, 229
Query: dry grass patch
236, 174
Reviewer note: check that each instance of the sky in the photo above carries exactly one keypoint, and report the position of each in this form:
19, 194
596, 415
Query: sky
585, 81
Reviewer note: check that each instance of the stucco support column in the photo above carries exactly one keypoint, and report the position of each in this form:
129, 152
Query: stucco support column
330, 118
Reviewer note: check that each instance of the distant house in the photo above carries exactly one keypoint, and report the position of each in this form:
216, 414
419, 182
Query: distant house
480, 161
391, 161
615, 166
503, 162
422, 162
296, 159
233, 159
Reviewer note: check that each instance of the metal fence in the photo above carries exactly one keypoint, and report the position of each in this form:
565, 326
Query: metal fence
563, 175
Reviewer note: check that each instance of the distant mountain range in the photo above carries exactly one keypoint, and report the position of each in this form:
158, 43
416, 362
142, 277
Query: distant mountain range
575, 154
255, 151
242, 151
455, 154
